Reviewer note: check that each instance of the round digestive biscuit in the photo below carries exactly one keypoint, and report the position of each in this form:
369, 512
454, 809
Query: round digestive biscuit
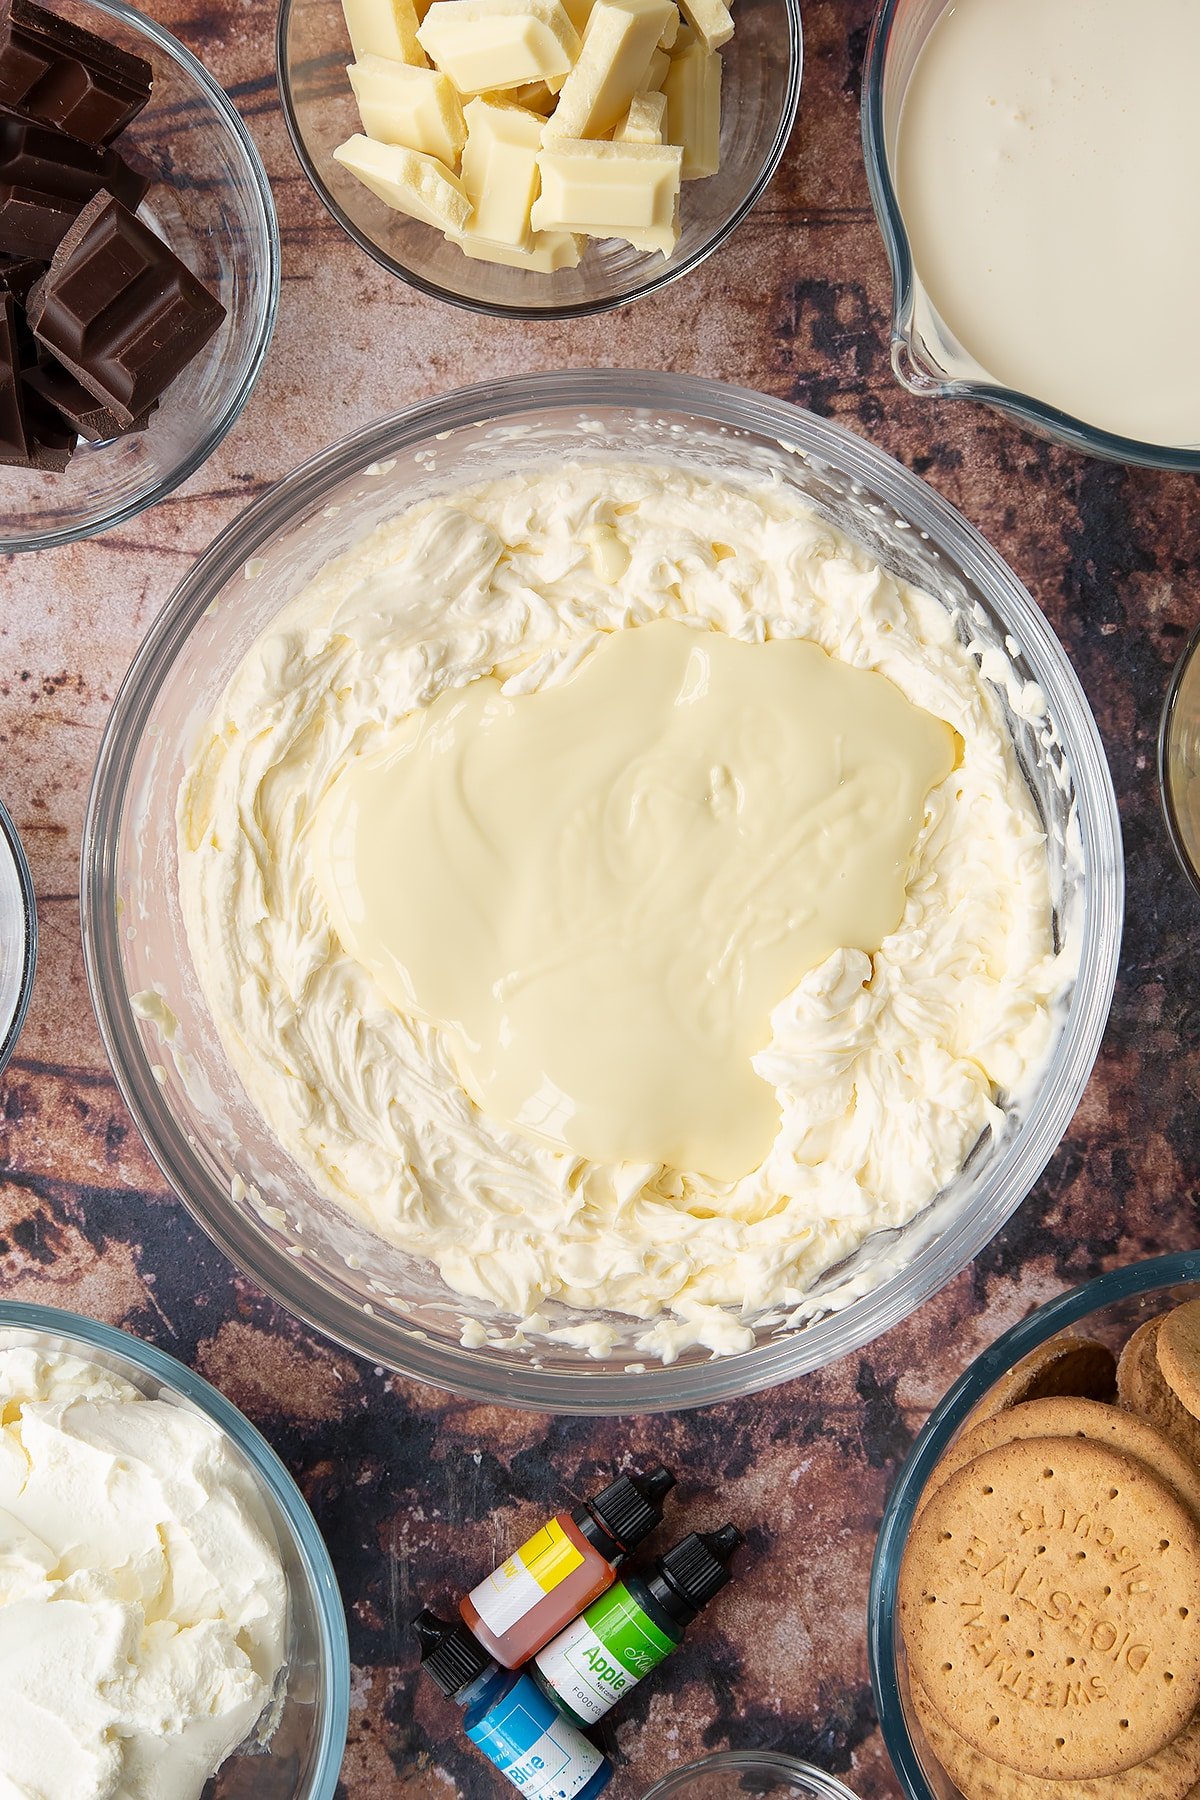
1143, 1388
1178, 1346
1075, 1419
1066, 1365
1171, 1775
1050, 1606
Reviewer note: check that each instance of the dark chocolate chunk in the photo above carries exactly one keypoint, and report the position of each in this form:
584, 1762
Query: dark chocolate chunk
14, 430
119, 310
63, 75
52, 440
47, 178
88, 417
18, 274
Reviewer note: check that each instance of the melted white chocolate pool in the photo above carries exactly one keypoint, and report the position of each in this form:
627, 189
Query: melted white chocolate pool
605, 889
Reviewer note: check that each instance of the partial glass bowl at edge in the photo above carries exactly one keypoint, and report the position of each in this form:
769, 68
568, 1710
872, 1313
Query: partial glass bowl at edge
304, 1755
18, 937
748, 1775
211, 201
1109, 1308
761, 67
898, 33
207, 1137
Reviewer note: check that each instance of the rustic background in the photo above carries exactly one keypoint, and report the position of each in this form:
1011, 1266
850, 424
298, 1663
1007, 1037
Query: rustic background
415, 1492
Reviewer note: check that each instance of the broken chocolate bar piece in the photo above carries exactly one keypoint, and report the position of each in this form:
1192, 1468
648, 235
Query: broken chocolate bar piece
88, 417
63, 75
14, 430
32, 434
47, 178
52, 440
18, 274
119, 310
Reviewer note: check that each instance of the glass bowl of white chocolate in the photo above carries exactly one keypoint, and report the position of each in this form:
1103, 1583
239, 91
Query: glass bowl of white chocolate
539, 158
170, 1621
254, 1169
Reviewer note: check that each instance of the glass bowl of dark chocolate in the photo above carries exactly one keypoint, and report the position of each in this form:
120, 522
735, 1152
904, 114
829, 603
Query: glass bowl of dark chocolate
139, 267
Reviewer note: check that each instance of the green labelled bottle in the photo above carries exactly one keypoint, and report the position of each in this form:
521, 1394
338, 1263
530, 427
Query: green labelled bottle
625, 1634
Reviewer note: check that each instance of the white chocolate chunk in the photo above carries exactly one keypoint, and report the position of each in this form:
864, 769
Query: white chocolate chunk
500, 170
384, 28
547, 251
535, 95
418, 108
610, 190
670, 30
621, 38
711, 19
495, 44
644, 122
408, 182
656, 74
693, 90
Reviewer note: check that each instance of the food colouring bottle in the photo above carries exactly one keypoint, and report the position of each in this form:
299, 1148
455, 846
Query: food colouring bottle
512, 1722
570, 1562
635, 1626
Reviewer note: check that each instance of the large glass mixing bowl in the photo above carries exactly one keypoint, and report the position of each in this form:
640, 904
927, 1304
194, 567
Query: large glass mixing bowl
207, 1136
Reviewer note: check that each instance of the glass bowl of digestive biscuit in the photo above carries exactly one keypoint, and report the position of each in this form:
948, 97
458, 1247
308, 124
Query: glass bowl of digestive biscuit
499, 200
198, 1571
355, 1176
1051, 1499
139, 276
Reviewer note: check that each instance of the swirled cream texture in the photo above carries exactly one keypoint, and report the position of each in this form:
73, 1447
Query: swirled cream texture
143, 1607
887, 1069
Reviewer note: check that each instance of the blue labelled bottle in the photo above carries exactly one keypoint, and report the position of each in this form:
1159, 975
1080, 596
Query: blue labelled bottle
627, 1632
510, 1719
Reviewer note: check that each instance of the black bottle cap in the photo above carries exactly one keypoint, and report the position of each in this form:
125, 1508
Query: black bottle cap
449, 1653
630, 1507
687, 1577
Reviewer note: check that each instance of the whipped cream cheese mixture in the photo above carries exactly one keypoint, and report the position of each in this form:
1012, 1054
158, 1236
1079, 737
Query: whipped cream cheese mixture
886, 1068
143, 1607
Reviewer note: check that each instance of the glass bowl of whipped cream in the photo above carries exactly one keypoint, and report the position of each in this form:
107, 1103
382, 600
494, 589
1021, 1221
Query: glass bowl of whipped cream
189, 1632
1105, 1311
1027, 169
464, 858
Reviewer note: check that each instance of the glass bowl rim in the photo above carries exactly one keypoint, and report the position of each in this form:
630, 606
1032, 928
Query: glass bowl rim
1170, 814
219, 101
753, 1762
268, 1468
577, 309
656, 1388
12, 843
1046, 1321
1092, 440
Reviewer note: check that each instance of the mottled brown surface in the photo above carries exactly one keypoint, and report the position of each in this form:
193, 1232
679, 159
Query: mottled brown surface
405, 1483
